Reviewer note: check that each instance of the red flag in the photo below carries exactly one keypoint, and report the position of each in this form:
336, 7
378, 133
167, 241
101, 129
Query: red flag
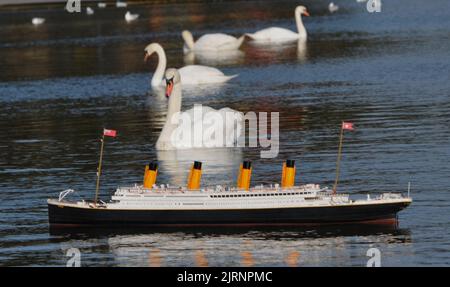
109, 133
347, 126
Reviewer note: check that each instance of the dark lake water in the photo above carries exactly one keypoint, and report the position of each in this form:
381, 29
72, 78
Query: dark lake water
388, 73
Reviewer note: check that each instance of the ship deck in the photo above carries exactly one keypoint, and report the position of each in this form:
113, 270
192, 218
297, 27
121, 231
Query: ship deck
272, 205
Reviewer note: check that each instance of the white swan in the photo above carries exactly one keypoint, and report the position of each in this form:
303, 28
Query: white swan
131, 17
211, 42
89, 11
196, 127
120, 4
37, 21
276, 34
190, 75
332, 7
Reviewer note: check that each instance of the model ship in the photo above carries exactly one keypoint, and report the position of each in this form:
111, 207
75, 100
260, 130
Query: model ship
281, 204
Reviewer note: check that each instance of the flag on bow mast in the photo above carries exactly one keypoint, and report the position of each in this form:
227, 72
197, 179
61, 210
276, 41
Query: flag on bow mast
109, 133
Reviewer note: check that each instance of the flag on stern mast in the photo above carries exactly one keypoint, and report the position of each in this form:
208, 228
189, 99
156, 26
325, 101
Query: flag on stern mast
347, 126
108, 133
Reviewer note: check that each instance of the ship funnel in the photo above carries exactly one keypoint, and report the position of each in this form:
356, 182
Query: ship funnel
288, 174
151, 171
195, 176
245, 174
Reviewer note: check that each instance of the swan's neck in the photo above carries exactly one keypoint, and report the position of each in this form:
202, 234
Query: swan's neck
160, 69
173, 109
300, 27
174, 101
188, 41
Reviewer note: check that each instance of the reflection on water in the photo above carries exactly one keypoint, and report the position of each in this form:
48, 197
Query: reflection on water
200, 259
292, 259
154, 256
272, 51
213, 58
239, 246
302, 50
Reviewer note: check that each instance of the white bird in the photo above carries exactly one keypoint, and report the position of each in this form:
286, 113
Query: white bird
37, 21
131, 17
210, 42
276, 34
332, 7
89, 11
190, 75
120, 4
101, 5
204, 122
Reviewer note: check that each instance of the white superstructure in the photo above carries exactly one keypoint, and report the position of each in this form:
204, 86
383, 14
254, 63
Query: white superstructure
259, 197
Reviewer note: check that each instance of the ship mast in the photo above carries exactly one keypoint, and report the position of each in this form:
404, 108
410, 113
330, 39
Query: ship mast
99, 169
109, 133
344, 126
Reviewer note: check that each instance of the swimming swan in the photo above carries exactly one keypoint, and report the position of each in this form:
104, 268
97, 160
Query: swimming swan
198, 126
190, 75
210, 42
276, 34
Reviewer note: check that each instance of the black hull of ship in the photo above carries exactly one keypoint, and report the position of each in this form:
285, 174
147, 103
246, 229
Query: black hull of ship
380, 213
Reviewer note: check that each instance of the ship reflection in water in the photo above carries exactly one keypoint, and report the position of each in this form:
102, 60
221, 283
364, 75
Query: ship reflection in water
331, 245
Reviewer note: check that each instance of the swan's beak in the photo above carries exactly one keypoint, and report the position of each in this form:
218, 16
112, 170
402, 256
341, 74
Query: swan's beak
147, 55
306, 13
169, 87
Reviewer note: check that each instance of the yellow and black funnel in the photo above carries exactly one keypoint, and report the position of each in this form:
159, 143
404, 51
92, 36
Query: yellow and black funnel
151, 171
288, 174
245, 174
195, 176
